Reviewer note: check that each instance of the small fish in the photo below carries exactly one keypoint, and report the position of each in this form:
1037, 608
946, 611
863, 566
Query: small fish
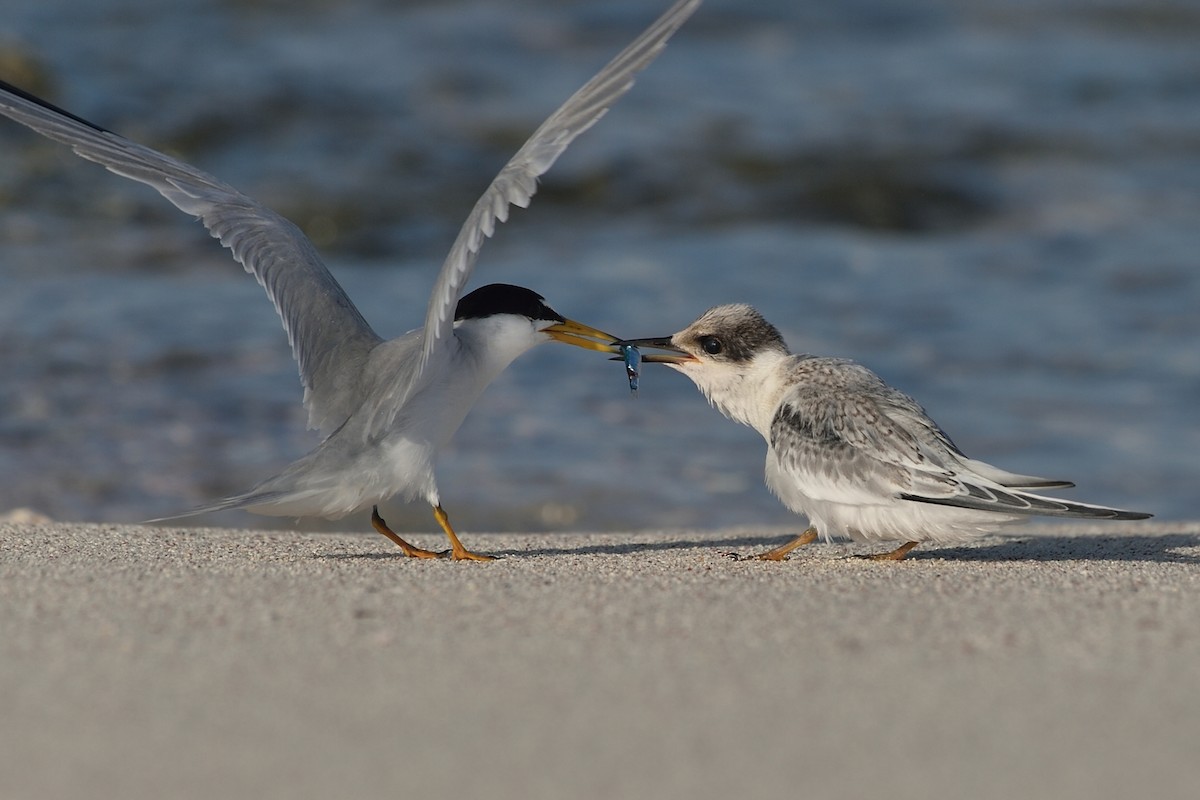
633, 359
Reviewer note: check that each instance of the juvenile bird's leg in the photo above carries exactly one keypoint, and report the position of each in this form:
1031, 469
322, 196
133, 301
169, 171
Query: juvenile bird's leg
409, 550
457, 551
781, 553
894, 555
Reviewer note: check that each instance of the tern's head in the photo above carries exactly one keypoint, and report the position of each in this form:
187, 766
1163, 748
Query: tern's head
723, 338
508, 320
726, 352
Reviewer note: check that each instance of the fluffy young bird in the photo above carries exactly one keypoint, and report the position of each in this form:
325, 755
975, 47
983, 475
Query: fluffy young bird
854, 455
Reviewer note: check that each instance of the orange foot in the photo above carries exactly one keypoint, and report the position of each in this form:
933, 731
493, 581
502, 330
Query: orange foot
894, 555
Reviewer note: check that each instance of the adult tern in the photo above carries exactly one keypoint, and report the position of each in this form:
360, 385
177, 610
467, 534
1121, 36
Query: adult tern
385, 408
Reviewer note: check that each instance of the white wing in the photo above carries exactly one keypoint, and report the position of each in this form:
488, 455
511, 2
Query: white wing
517, 181
329, 337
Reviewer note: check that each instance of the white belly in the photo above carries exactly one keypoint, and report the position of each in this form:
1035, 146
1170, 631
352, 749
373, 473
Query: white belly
843, 509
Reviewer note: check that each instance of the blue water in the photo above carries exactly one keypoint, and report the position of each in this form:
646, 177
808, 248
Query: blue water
995, 206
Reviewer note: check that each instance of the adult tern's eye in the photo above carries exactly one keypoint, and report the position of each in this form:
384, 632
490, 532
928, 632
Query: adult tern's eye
712, 345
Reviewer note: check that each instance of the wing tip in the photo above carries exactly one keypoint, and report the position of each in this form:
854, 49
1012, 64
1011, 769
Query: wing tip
1032, 505
29, 97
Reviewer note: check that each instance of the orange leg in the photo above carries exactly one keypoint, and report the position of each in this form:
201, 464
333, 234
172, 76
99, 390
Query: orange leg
409, 550
781, 553
894, 555
457, 551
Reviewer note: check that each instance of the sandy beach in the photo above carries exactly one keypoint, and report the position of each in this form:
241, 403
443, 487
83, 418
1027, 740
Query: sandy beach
150, 662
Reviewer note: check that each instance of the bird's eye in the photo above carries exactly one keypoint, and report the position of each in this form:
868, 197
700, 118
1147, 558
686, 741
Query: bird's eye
712, 345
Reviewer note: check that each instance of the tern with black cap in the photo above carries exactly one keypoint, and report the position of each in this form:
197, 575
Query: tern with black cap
385, 408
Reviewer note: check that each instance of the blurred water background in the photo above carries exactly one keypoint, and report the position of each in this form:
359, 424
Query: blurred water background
996, 206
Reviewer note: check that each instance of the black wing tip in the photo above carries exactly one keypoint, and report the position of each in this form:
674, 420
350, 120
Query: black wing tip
1131, 515
1035, 506
1045, 485
33, 98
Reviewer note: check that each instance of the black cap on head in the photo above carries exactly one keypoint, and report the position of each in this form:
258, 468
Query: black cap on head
504, 298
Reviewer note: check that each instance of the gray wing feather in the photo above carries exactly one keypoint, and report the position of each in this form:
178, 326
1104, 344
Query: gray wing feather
330, 339
516, 184
1012, 479
328, 335
844, 426
517, 181
986, 498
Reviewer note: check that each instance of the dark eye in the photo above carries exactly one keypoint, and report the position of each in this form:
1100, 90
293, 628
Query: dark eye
712, 345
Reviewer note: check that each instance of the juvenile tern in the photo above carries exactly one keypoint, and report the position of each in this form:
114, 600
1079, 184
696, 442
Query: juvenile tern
856, 456
385, 408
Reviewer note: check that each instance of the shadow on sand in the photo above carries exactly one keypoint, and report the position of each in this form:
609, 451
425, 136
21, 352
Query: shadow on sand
1177, 548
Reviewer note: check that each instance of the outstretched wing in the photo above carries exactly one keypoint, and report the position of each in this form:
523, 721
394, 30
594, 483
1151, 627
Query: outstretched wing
329, 337
517, 181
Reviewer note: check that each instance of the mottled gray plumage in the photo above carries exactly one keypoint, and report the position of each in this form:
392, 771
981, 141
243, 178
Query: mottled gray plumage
856, 456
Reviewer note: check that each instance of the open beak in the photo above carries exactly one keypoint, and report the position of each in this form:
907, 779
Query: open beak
576, 333
674, 356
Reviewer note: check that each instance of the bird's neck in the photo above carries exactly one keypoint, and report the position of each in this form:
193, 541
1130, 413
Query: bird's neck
490, 346
750, 393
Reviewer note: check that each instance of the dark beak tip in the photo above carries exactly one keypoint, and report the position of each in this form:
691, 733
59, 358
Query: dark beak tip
657, 342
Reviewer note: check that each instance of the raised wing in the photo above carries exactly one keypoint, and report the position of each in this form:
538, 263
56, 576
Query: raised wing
517, 181
329, 337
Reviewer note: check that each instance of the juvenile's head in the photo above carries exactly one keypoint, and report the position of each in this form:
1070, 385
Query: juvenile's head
729, 352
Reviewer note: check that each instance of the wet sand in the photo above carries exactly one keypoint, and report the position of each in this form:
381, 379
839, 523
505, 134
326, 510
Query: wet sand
150, 662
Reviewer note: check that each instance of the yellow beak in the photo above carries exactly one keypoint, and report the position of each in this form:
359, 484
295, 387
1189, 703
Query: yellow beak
576, 333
